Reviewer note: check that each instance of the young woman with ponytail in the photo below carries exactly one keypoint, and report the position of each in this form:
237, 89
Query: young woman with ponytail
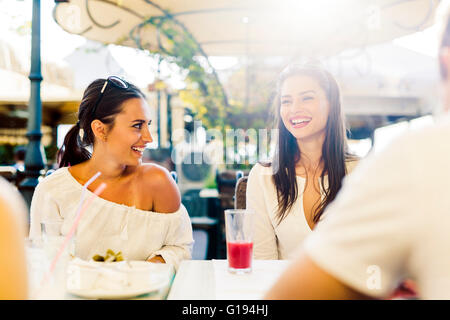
140, 212
289, 194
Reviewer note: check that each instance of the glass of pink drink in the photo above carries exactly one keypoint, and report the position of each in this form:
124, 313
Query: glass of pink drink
239, 234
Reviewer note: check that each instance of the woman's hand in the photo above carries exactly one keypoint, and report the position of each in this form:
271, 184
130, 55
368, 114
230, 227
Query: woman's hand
157, 259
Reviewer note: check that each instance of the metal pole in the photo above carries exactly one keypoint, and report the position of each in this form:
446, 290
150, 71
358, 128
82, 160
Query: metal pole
158, 115
35, 156
169, 121
158, 102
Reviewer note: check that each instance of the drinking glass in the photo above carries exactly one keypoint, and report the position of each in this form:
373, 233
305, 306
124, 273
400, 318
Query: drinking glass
36, 264
52, 238
239, 237
52, 241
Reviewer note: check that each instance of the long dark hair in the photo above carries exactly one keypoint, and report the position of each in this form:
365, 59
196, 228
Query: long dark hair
287, 153
74, 149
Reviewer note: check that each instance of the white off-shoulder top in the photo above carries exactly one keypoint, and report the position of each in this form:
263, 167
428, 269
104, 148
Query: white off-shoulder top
138, 234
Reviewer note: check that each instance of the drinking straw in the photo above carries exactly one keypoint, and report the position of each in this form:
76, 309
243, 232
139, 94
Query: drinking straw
85, 186
82, 207
75, 225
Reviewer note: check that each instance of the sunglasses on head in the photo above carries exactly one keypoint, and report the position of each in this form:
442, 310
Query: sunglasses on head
116, 82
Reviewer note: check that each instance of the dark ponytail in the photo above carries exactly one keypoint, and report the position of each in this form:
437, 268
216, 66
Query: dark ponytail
80, 135
77, 153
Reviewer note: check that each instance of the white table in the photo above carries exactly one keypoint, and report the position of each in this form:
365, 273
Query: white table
209, 279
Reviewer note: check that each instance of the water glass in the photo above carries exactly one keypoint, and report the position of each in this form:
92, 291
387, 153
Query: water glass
53, 239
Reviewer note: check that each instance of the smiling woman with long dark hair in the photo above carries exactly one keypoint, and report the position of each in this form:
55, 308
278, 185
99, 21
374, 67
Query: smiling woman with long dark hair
311, 158
140, 212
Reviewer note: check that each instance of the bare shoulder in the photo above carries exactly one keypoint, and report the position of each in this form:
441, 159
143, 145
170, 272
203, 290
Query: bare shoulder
157, 179
152, 171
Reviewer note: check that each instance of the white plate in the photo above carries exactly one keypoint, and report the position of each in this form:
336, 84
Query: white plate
117, 280
124, 293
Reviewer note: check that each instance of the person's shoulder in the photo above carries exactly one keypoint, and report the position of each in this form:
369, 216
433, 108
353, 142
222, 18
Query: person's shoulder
411, 152
260, 177
428, 142
158, 180
154, 173
261, 169
429, 135
54, 180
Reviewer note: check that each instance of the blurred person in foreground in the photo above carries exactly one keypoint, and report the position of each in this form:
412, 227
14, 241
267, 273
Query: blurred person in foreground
13, 275
390, 221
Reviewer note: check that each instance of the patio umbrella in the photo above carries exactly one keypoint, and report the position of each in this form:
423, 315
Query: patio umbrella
249, 27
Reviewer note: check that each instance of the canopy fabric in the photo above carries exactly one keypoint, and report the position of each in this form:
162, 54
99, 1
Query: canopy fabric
15, 85
251, 27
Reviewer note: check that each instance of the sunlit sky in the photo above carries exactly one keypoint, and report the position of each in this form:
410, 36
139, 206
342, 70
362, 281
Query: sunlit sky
55, 43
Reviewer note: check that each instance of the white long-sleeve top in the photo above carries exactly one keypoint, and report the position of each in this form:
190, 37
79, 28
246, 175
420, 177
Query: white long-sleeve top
139, 234
273, 240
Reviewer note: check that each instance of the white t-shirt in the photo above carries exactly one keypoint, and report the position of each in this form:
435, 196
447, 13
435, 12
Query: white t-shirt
139, 234
273, 240
391, 219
